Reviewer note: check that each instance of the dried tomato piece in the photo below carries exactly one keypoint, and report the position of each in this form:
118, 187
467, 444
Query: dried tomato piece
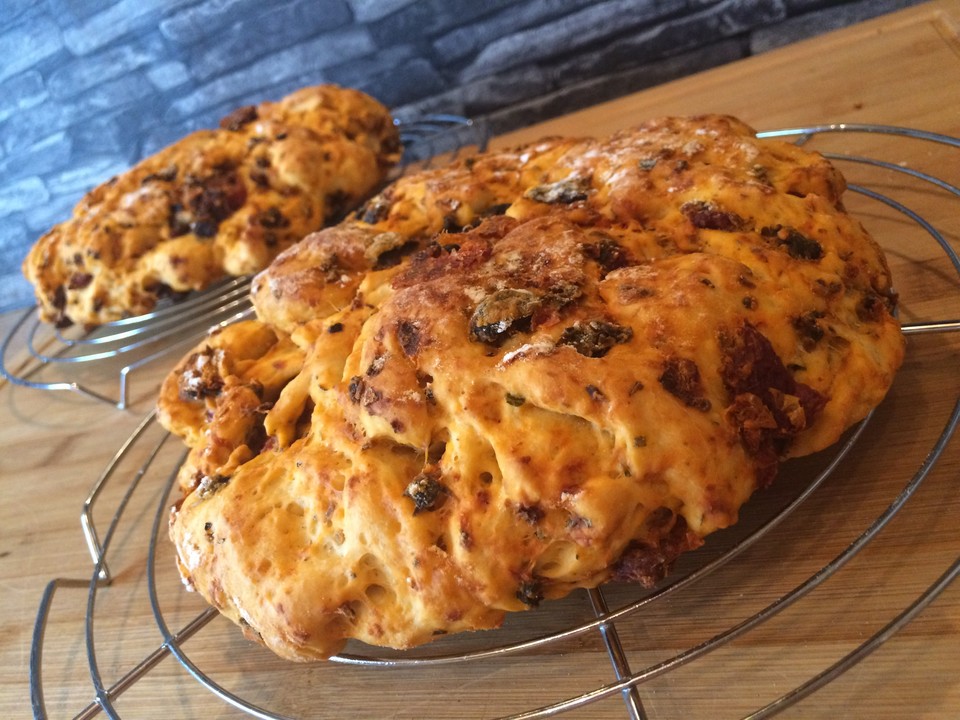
208, 201
78, 281
681, 378
167, 174
708, 216
239, 117
408, 335
648, 564
201, 377
608, 254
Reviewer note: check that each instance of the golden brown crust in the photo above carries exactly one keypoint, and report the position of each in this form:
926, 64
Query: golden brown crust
218, 202
539, 370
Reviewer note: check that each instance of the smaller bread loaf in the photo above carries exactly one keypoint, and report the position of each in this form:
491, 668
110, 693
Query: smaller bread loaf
217, 203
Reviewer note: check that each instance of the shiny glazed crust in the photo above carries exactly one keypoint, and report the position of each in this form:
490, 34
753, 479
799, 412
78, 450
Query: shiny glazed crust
216, 203
535, 370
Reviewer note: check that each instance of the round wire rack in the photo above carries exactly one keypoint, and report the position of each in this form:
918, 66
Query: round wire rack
613, 633
63, 360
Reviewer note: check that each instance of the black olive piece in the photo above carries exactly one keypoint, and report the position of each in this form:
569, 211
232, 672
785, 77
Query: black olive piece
356, 388
503, 314
595, 393
273, 218
205, 228
798, 245
801, 247
210, 484
594, 338
387, 249
562, 192
530, 593
427, 492
532, 514
374, 210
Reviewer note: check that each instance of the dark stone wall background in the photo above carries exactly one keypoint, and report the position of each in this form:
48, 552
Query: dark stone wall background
88, 87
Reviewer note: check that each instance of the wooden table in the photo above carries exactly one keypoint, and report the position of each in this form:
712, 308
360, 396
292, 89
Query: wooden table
903, 69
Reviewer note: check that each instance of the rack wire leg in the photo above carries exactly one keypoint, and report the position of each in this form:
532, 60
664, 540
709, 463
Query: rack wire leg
617, 656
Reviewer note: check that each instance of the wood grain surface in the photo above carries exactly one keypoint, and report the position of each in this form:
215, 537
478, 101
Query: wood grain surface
903, 70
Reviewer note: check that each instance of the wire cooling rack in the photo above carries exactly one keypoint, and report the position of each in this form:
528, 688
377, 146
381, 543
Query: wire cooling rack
60, 360
613, 633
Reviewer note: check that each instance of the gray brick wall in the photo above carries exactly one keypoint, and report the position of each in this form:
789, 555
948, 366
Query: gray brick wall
87, 88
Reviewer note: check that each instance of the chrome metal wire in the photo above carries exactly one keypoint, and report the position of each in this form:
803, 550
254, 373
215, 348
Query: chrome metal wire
123, 345
606, 623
